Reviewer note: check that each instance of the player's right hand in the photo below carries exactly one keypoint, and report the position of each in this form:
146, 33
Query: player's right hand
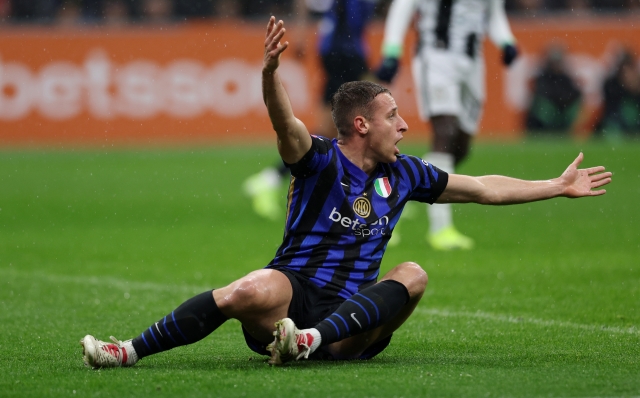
272, 46
509, 54
387, 69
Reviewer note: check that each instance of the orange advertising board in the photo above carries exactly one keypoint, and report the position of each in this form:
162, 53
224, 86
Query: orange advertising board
201, 83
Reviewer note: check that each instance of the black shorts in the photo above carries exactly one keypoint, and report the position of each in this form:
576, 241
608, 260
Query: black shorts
310, 305
341, 68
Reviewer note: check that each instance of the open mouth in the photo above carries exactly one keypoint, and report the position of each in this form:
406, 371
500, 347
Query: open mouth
396, 147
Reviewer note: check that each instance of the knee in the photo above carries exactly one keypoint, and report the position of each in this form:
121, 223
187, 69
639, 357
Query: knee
243, 294
414, 278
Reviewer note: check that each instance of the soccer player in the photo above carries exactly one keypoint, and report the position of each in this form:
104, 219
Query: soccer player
342, 50
448, 71
322, 290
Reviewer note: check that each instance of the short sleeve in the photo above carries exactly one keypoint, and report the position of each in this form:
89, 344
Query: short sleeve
430, 181
316, 159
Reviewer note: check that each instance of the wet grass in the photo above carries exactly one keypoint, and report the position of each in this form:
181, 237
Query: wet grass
547, 304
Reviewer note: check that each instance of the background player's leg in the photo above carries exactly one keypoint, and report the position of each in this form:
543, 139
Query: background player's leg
263, 189
449, 147
441, 155
461, 145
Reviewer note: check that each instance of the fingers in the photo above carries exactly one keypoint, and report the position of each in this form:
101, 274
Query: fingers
596, 177
281, 32
598, 184
281, 47
275, 31
274, 47
588, 179
598, 180
578, 160
272, 21
594, 170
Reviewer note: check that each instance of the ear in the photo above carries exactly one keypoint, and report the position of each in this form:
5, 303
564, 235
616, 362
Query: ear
361, 125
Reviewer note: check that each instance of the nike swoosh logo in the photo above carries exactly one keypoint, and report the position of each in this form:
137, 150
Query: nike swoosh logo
343, 184
158, 329
353, 316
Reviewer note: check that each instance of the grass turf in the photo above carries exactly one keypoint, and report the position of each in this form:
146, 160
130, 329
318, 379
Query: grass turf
107, 243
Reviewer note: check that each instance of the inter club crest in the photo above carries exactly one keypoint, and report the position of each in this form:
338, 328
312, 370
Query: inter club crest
362, 207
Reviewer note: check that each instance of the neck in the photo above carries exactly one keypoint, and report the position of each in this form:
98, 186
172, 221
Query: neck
357, 155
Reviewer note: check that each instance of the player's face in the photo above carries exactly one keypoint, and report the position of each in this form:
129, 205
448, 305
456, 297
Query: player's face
386, 128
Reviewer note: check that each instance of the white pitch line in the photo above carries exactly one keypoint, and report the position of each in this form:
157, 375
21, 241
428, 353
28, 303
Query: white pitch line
539, 322
127, 286
124, 285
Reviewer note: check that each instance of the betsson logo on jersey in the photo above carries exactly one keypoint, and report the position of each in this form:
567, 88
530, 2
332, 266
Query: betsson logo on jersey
378, 227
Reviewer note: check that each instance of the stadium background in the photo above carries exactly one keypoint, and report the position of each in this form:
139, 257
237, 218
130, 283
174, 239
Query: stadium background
198, 81
123, 147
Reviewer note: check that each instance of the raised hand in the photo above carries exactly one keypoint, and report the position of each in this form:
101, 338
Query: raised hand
581, 182
272, 46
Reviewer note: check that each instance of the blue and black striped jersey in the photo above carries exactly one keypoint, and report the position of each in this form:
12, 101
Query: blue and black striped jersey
340, 219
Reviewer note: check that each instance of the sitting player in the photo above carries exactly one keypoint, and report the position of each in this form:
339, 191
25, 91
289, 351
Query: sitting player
345, 198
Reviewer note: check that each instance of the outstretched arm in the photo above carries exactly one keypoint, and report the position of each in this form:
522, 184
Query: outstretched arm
500, 190
293, 137
395, 27
500, 32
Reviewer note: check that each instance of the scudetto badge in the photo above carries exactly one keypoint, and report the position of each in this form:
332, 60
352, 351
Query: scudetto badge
362, 207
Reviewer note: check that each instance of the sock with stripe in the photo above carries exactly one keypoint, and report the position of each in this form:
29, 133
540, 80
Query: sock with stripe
192, 321
364, 311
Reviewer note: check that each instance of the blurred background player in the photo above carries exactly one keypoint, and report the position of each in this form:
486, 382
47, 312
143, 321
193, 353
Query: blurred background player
621, 96
448, 71
342, 51
556, 98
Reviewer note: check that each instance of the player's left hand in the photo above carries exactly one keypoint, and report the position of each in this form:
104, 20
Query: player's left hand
272, 46
580, 182
509, 54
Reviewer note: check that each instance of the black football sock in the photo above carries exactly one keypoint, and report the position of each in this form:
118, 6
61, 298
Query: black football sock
192, 321
364, 311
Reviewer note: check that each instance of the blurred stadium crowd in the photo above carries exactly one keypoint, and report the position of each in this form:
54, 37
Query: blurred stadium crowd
140, 11
557, 92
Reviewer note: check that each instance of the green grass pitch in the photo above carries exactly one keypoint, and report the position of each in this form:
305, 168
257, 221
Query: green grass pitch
106, 243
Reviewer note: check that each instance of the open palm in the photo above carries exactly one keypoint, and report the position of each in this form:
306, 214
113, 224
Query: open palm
272, 46
581, 182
